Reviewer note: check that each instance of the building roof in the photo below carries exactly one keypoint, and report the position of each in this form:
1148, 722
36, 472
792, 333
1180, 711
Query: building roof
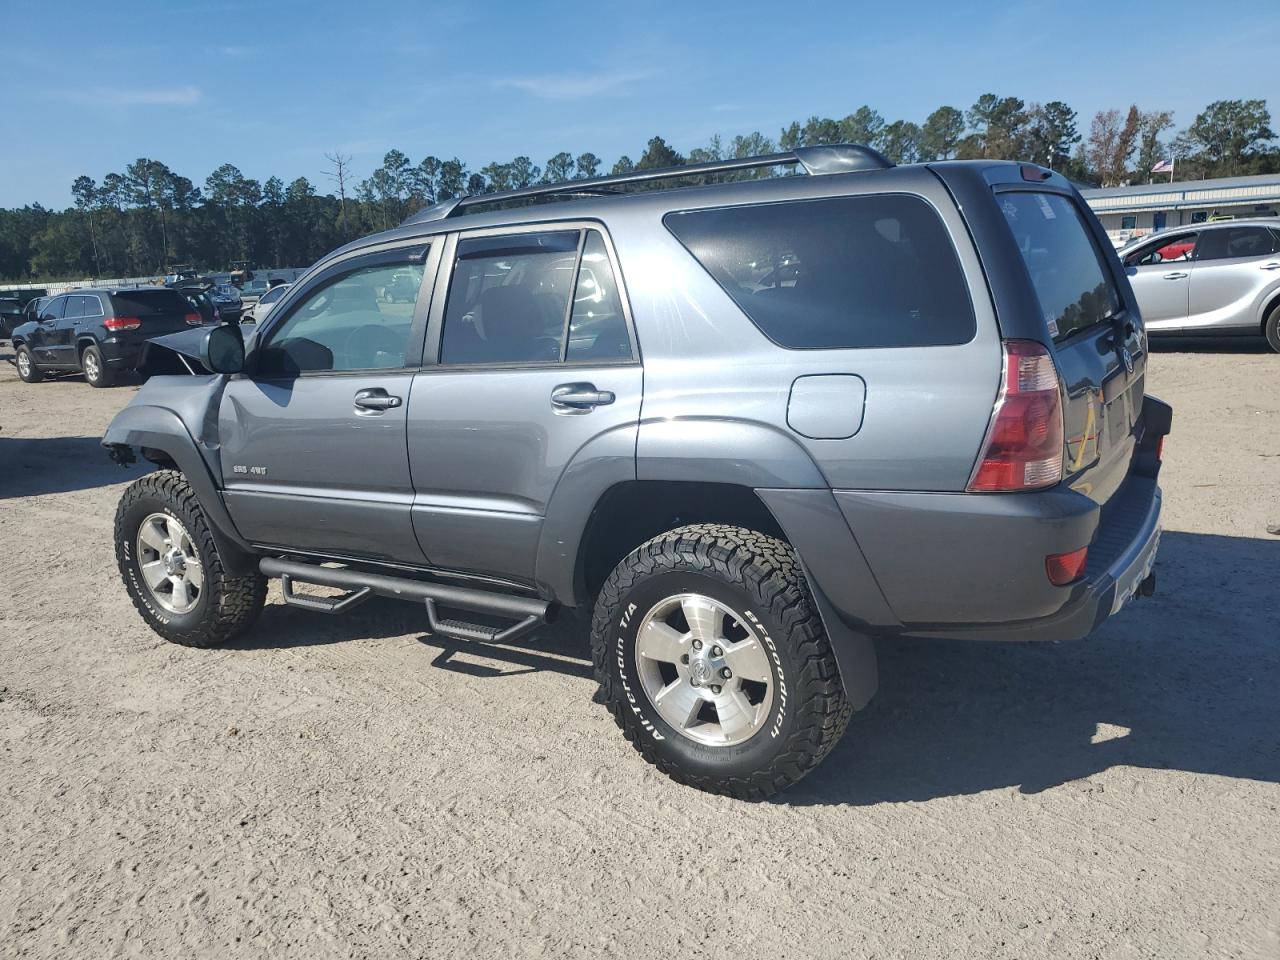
1185, 193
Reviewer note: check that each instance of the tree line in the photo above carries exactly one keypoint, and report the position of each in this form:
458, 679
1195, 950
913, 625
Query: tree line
148, 217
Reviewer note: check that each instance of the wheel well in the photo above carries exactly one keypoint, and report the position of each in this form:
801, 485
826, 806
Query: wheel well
83, 344
1272, 304
630, 513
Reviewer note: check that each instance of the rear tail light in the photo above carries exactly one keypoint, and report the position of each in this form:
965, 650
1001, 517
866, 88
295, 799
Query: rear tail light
1065, 568
1160, 449
1023, 446
194, 319
122, 323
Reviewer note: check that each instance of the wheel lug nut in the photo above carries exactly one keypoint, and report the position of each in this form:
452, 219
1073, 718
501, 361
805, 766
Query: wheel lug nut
697, 644
684, 658
726, 673
693, 681
715, 688
716, 651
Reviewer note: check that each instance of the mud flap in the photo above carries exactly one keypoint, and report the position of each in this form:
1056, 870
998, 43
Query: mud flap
855, 652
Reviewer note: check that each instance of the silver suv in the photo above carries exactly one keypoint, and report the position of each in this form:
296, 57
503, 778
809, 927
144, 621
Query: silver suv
1212, 278
747, 426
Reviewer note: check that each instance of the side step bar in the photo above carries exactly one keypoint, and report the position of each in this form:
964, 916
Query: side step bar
529, 612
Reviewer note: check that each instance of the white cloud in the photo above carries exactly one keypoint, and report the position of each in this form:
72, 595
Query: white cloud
575, 86
135, 96
235, 52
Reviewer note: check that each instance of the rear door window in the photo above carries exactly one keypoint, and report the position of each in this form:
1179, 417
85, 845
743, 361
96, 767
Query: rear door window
1067, 271
842, 272
148, 303
1232, 243
75, 308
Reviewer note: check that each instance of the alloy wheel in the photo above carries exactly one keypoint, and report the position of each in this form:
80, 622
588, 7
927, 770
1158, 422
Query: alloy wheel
170, 563
704, 669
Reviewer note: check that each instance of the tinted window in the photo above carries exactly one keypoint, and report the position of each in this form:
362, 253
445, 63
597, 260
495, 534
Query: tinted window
92, 307
597, 327
345, 325
1232, 242
844, 272
53, 309
75, 308
509, 298
272, 295
1066, 268
148, 303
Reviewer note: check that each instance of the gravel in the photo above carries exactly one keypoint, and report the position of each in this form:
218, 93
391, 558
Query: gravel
352, 787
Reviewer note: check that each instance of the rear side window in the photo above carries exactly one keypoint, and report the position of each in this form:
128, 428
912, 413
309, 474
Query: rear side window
1074, 288
874, 271
148, 303
1230, 243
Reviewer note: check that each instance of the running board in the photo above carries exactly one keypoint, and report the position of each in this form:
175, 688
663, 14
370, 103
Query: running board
529, 612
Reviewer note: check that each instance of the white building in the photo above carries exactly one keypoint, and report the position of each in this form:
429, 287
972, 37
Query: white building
1128, 212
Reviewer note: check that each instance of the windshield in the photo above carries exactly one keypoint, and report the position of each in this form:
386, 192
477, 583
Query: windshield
1073, 285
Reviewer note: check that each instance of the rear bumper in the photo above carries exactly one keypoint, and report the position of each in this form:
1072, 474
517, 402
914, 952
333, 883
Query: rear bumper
973, 565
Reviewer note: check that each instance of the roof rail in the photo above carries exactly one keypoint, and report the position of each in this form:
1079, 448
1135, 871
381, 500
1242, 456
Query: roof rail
817, 161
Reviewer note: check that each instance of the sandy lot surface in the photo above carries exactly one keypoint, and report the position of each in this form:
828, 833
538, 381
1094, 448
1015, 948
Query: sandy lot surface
356, 788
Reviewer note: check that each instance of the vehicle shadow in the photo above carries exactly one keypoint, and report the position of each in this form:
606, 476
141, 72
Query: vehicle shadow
1187, 680
30, 466
560, 647
1176, 344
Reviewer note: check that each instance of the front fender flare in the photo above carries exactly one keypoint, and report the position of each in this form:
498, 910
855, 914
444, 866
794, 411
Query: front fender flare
157, 428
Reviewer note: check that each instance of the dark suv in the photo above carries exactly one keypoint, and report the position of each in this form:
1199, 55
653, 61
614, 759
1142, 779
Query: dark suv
99, 332
746, 425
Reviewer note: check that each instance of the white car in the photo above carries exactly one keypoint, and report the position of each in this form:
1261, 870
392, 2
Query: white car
262, 306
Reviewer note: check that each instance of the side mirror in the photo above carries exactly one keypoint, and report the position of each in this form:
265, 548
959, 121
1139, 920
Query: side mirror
222, 350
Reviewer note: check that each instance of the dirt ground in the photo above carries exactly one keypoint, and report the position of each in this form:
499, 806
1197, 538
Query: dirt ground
352, 787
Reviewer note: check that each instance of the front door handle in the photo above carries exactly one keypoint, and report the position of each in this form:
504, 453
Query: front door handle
375, 398
579, 397
1271, 266
1176, 275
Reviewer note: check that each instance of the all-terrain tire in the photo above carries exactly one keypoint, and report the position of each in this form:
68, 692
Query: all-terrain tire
28, 372
227, 605
1272, 328
760, 577
95, 368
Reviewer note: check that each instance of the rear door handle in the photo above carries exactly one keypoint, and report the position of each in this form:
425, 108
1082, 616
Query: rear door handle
1271, 266
375, 398
1177, 275
579, 397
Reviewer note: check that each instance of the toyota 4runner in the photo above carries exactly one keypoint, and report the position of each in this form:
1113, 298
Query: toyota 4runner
749, 425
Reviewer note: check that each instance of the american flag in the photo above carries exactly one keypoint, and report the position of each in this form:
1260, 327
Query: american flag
1164, 166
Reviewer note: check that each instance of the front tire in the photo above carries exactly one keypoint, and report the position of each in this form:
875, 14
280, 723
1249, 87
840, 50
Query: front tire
1272, 328
714, 661
28, 372
95, 368
171, 568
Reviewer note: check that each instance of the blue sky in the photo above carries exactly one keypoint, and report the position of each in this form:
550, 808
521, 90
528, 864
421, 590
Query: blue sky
272, 86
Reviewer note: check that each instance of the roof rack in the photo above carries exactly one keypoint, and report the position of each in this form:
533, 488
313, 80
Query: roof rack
817, 161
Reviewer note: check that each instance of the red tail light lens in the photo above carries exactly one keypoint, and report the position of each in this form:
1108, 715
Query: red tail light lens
122, 323
194, 319
1023, 446
1065, 568
1160, 450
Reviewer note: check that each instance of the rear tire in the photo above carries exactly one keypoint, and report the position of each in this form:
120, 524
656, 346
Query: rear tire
157, 514
1272, 328
672, 619
28, 372
96, 371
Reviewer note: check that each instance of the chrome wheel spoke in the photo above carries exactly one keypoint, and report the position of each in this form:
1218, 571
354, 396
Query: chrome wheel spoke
662, 642
152, 534
748, 660
679, 703
736, 714
154, 573
705, 617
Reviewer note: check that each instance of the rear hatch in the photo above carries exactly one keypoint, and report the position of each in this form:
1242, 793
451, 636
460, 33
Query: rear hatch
160, 310
1098, 345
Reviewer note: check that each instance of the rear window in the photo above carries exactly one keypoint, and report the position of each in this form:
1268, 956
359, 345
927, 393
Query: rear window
842, 272
146, 303
1074, 287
